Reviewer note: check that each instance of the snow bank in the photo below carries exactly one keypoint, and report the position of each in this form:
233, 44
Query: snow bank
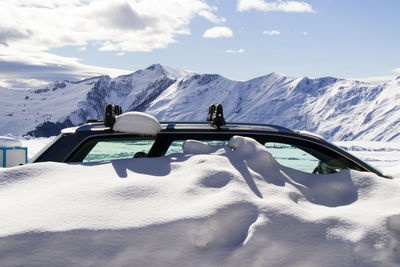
137, 123
6, 141
233, 206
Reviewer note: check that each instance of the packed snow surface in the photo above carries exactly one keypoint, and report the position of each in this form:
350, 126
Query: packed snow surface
6, 141
137, 123
230, 205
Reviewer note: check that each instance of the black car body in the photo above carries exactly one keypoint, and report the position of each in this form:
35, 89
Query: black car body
97, 141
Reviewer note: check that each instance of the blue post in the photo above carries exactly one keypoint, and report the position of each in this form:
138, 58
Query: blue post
4, 158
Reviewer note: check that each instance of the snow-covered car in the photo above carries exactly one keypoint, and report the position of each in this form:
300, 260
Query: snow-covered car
136, 134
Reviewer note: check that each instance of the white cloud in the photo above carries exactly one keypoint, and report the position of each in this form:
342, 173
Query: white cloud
397, 70
207, 14
218, 32
129, 25
32, 69
120, 54
376, 80
232, 51
285, 6
29, 29
271, 33
22, 83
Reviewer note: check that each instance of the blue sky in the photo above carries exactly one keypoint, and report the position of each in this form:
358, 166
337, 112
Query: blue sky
42, 41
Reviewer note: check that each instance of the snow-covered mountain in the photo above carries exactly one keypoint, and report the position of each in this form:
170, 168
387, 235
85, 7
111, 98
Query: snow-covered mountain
338, 109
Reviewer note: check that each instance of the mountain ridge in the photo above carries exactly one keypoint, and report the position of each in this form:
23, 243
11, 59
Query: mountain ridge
337, 109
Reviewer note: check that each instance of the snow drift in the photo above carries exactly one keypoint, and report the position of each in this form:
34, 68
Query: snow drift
228, 205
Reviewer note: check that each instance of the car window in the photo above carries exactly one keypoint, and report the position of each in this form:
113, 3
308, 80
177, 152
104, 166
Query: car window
291, 152
293, 157
176, 146
305, 159
102, 150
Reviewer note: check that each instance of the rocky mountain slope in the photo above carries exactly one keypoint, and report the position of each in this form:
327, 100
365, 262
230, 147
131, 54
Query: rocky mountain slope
338, 109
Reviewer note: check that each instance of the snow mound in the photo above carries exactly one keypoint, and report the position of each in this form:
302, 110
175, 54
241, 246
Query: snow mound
137, 123
196, 147
6, 141
233, 206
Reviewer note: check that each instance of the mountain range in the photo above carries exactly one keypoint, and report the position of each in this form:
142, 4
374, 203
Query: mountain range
337, 109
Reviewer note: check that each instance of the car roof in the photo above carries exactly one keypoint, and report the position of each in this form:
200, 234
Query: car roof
178, 126
167, 125
172, 126
228, 126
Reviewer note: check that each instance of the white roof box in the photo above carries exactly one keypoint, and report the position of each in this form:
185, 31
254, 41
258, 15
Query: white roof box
136, 122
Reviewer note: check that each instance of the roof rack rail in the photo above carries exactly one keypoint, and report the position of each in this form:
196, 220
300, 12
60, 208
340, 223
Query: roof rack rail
93, 121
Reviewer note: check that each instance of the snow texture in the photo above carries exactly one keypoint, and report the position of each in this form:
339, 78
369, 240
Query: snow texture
6, 141
230, 205
137, 123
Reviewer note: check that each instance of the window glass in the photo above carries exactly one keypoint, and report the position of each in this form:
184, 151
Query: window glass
307, 159
176, 146
118, 149
292, 156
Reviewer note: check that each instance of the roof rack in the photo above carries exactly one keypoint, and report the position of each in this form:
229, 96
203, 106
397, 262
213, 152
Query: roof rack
110, 113
216, 116
229, 125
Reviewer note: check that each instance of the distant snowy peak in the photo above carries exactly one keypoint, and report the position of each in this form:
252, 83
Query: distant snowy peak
168, 71
276, 76
154, 72
201, 79
320, 82
273, 76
